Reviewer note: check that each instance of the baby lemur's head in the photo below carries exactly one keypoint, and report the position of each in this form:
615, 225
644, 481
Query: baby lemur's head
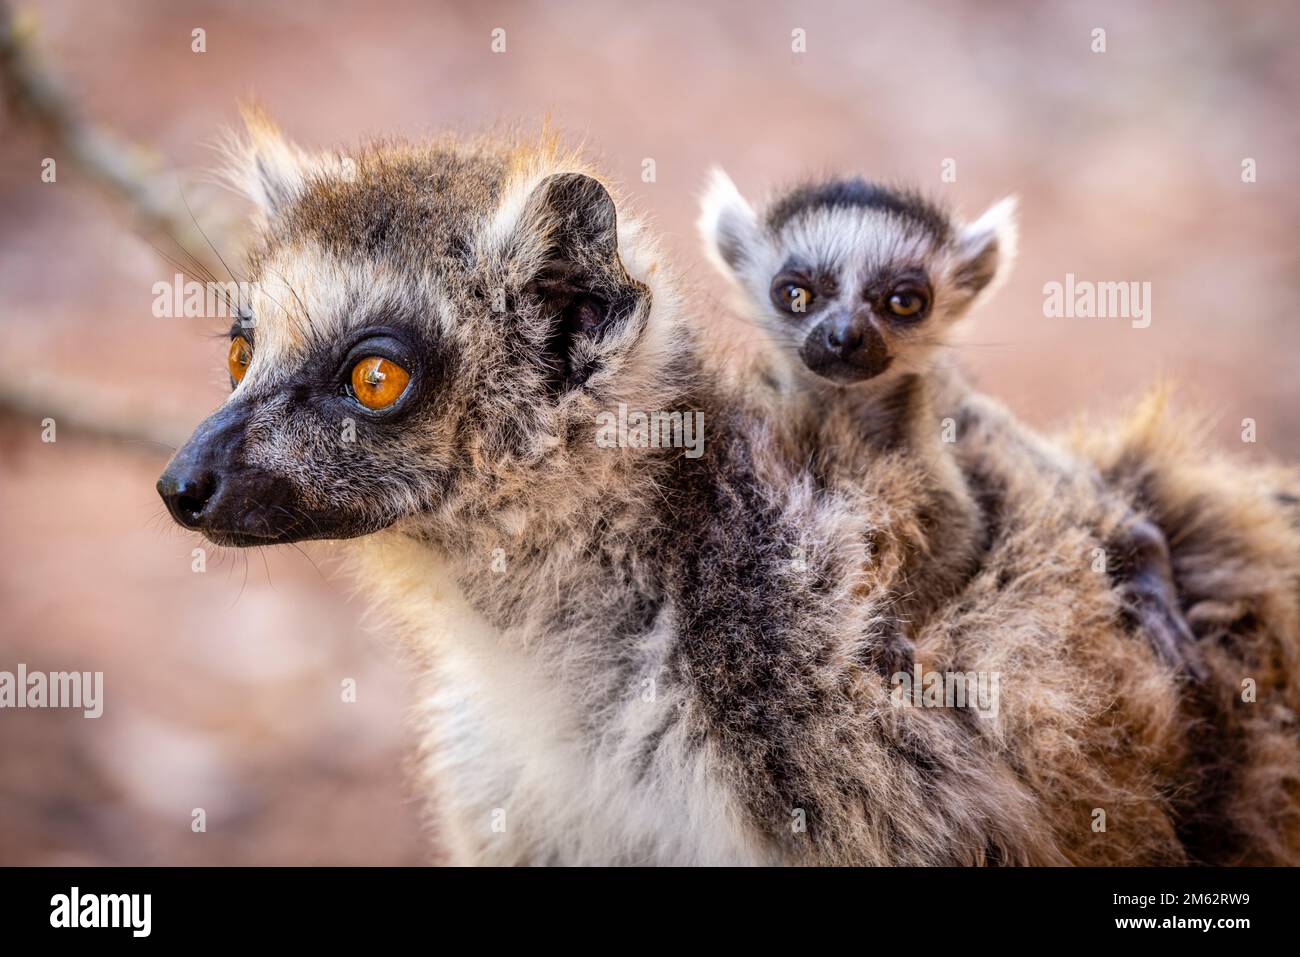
854, 279
431, 330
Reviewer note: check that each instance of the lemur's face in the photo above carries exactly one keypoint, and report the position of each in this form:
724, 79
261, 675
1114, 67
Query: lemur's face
419, 335
852, 279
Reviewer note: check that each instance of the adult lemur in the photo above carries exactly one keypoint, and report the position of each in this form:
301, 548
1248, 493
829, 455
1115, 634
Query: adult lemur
630, 655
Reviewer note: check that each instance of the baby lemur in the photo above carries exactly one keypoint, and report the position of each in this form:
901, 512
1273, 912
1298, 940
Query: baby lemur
631, 654
858, 287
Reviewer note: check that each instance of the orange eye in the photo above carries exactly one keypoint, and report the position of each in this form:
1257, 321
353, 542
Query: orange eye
378, 383
792, 297
906, 303
237, 360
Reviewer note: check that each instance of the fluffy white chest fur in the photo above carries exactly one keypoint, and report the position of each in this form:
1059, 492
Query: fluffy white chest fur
512, 769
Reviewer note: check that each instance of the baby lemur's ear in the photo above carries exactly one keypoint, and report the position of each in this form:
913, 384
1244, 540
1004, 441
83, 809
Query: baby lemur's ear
571, 242
728, 224
986, 248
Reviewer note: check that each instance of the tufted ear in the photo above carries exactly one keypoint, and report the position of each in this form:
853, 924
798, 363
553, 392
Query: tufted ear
986, 248
727, 224
583, 290
263, 165
574, 218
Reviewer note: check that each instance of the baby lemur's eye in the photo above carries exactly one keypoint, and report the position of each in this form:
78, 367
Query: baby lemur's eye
378, 382
238, 358
908, 303
792, 297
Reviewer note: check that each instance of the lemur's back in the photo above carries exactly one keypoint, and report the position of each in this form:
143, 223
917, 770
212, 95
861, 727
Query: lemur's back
790, 677
1234, 537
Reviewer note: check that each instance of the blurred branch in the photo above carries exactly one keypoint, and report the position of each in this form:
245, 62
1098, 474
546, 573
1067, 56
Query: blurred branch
124, 172
80, 407
120, 169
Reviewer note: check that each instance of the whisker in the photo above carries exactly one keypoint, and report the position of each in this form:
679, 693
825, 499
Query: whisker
165, 445
183, 270
216, 252
261, 550
244, 583
196, 273
198, 266
300, 551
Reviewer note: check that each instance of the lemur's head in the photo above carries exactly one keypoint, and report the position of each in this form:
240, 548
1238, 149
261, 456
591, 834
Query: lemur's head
429, 330
855, 278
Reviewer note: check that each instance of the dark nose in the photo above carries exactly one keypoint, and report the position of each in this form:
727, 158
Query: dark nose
846, 348
843, 338
186, 495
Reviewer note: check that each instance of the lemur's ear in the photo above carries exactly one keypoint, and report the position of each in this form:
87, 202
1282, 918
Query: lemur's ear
574, 218
571, 225
986, 248
727, 223
263, 165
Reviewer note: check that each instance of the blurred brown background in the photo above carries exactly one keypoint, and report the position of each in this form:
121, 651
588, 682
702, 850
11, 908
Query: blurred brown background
222, 689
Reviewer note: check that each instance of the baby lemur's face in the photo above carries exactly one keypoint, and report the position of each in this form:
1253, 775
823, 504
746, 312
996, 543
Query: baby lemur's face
428, 327
850, 279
